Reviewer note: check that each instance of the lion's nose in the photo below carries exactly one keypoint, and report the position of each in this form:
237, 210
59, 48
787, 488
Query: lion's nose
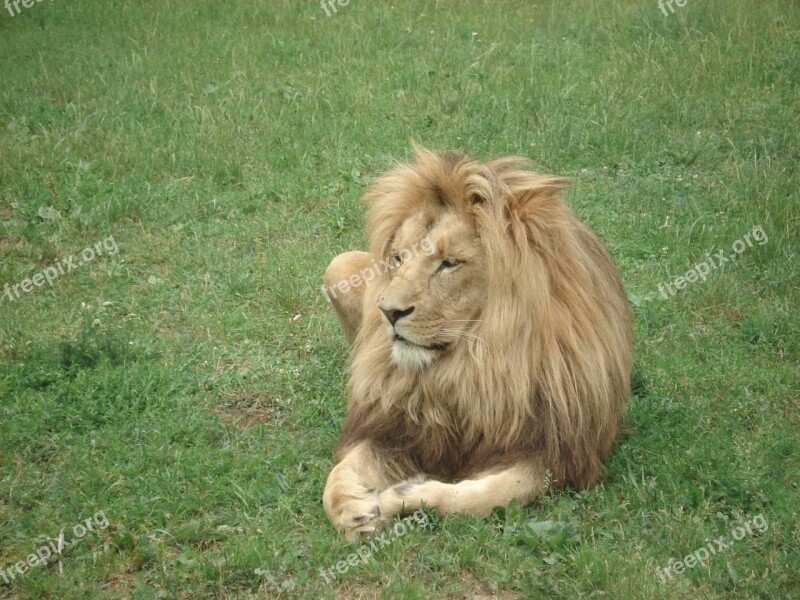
395, 314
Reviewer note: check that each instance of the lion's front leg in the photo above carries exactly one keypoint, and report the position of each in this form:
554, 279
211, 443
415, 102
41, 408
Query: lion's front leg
351, 493
472, 496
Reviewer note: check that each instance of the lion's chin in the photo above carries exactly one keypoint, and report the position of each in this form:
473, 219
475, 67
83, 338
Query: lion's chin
412, 357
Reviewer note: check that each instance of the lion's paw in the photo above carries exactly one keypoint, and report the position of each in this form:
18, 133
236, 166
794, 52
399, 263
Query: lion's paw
355, 515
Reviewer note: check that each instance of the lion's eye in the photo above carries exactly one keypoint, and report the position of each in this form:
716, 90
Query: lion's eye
397, 260
448, 263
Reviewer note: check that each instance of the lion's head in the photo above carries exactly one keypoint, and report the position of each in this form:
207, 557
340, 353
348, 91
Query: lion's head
499, 328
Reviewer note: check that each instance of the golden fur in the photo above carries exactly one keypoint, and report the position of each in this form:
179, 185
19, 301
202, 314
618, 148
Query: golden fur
508, 362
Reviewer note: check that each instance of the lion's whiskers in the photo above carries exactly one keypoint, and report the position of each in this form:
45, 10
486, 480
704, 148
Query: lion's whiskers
464, 335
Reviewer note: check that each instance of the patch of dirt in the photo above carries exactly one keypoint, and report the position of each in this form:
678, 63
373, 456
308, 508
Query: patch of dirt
246, 408
358, 591
483, 592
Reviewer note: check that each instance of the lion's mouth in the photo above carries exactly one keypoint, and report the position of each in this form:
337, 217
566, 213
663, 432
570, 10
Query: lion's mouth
400, 338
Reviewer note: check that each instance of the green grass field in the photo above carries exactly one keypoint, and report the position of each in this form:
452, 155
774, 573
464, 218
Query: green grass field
182, 391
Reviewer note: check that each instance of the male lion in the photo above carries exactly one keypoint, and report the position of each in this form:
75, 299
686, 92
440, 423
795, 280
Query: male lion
490, 368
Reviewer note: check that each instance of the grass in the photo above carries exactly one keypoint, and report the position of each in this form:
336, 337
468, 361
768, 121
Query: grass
190, 386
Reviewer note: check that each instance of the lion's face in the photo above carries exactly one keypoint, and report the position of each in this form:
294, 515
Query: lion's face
433, 298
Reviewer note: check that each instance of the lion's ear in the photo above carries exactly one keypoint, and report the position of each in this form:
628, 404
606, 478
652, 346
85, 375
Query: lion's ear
534, 202
531, 192
481, 189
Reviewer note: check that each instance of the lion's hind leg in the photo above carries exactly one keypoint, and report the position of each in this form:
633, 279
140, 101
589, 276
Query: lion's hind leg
476, 496
348, 299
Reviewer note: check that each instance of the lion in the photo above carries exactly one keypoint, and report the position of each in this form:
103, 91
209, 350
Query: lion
493, 366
